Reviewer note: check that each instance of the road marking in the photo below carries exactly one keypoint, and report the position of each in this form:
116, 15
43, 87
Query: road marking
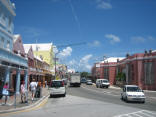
30, 109
141, 113
102, 92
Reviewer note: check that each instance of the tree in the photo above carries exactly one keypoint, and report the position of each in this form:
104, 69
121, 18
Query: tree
121, 76
84, 74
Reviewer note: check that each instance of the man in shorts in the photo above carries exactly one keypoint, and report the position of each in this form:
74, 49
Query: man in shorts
33, 86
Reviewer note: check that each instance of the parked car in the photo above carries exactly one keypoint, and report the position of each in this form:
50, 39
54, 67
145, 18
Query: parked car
83, 80
57, 88
102, 83
132, 93
89, 82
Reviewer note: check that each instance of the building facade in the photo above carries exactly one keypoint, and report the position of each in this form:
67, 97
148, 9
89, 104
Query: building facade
139, 69
9, 61
43, 51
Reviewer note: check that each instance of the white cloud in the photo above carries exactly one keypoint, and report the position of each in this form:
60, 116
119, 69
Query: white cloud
82, 64
86, 58
65, 52
72, 62
113, 39
138, 39
141, 39
151, 38
95, 43
104, 5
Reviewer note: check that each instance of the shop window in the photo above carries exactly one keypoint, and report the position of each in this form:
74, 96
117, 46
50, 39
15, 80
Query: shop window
2, 42
8, 45
149, 73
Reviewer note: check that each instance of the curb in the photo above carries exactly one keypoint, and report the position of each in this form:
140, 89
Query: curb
26, 107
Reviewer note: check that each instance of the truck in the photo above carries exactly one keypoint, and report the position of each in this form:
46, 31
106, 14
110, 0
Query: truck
75, 79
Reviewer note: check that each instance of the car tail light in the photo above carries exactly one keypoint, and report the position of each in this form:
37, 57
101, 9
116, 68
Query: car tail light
62, 83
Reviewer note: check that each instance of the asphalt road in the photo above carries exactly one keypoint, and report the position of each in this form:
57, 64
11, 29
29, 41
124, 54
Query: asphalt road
112, 96
89, 101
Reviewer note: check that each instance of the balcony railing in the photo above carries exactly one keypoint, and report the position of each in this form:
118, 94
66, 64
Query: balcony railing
10, 57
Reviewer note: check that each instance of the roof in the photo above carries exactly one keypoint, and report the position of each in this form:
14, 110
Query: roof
26, 48
15, 37
112, 59
39, 46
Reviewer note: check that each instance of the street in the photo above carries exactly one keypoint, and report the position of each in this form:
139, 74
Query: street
89, 101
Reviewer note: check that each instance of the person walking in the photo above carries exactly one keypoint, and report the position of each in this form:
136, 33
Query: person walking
33, 86
23, 93
6, 91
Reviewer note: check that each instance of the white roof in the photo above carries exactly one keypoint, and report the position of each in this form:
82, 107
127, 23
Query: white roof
153, 50
26, 48
39, 46
15, 37
112, 59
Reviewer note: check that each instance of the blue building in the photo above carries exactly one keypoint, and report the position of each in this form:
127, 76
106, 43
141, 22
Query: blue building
9, 61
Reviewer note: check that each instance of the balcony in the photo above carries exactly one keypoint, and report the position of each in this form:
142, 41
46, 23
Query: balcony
12, 58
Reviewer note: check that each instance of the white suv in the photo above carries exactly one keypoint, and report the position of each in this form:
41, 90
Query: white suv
57, 88
102, 83
132, 93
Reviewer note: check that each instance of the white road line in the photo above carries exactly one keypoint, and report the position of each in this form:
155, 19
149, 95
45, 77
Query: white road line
153, 113
141, 113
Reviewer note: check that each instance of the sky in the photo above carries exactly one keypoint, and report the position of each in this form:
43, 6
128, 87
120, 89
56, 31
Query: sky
91, 28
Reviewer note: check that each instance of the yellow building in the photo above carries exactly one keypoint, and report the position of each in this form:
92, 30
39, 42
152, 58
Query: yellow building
44, 51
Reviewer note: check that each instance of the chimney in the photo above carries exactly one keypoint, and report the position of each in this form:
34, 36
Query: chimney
127, 55
150, 51
145, 51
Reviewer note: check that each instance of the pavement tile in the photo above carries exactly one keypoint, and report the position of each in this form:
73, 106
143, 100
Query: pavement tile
10, 103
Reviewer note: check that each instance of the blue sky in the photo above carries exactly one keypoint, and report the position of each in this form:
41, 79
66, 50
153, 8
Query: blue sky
109, 27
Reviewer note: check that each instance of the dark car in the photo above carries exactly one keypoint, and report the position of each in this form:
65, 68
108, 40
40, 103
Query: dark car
83, 80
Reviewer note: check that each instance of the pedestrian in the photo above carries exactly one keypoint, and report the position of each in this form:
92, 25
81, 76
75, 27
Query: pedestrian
23, 93
45, 83
33, 86
6, 91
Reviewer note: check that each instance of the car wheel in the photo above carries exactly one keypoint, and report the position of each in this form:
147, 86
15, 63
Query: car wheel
64, 95
143, 102
122, 97
126, 99
51, 96
96, 86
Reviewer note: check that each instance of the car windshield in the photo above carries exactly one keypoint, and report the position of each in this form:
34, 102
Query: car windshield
56, 84
133, 89
105, 81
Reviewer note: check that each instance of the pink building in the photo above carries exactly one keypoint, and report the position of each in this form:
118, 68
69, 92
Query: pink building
139, 69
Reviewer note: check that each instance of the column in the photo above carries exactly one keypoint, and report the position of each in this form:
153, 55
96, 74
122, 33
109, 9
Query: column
127, 70
18, 77
26, 78
7, 75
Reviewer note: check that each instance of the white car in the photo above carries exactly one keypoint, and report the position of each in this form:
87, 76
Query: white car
133, 93
57, 87
102, 83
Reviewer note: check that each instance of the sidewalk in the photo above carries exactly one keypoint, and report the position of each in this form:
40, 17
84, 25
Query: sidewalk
10, 103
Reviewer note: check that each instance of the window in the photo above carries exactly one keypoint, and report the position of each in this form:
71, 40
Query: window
8, 45
149, 73
2, 42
